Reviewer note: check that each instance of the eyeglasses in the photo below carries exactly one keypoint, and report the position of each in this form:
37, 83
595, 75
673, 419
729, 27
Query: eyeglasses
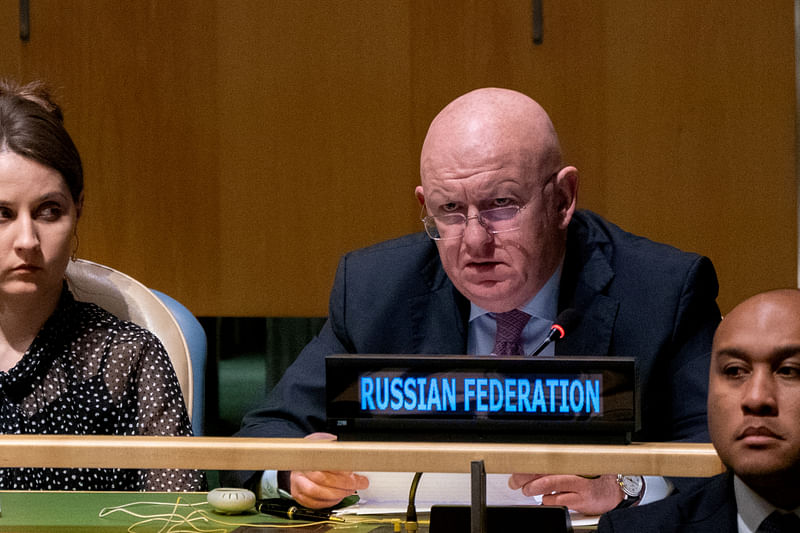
452, 226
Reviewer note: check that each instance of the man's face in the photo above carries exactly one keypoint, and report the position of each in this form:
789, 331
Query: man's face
754, 390
497, 271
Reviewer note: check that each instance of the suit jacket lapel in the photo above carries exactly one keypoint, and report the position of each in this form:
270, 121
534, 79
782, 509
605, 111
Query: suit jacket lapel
585, 276
712, 510
439, 317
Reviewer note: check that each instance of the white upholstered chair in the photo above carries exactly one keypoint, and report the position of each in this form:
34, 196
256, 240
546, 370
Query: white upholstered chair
130, 300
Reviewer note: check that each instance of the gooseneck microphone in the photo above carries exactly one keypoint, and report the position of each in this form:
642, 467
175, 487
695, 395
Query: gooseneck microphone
565, 321
411, 512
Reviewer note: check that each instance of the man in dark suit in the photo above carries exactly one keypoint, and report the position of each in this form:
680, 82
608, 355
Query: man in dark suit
504, 237
754, 419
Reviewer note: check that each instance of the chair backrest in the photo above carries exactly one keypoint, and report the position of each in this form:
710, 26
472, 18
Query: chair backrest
197, 341
130, 300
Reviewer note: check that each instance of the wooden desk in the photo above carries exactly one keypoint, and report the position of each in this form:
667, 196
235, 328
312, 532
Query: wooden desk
228, 453
79, 512
75, 511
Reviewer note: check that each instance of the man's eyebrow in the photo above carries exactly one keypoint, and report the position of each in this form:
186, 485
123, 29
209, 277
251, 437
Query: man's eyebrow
738, 353
789, 350
782, 352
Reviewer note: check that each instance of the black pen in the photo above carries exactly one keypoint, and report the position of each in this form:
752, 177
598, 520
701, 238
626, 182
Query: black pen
287, 509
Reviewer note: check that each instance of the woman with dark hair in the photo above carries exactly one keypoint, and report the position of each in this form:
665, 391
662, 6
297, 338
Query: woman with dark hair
67, 367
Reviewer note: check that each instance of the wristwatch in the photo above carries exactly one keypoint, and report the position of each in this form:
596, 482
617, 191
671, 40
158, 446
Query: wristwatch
632, 488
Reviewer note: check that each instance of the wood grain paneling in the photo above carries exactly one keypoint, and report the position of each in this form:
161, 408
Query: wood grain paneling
137, 83
314, 145
234, 150
700, 107
102, 451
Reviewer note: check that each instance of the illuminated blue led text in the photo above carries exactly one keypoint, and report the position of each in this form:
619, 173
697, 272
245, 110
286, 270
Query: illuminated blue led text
557, 396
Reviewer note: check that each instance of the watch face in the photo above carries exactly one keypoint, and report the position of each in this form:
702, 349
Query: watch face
631, 485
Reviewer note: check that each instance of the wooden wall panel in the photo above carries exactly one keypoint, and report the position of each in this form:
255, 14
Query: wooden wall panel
234, 150
137, 83
314, 145
700, 108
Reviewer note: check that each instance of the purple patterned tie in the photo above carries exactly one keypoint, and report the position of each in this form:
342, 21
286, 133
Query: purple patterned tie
779, 522
509, 328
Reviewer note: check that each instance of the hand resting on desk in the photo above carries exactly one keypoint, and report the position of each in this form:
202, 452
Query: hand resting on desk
588, 496
318, 490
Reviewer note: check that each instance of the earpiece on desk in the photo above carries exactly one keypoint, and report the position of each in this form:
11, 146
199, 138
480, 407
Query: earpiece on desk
231, 501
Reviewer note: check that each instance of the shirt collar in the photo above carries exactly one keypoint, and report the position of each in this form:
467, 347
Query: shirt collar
752, 509
543, 305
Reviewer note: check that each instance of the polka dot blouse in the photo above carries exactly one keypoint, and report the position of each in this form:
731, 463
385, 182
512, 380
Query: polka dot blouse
90, 373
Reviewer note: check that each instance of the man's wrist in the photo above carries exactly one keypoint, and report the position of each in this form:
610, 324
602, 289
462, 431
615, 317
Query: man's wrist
271, 485
285, 483
655, 488
632, 488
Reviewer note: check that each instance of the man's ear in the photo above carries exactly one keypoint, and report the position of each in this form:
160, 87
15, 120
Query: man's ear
418, 192
566, 190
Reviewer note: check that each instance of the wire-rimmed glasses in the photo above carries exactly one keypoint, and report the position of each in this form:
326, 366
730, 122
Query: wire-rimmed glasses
453, 225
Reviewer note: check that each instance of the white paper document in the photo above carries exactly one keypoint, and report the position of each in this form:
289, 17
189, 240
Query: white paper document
388, 493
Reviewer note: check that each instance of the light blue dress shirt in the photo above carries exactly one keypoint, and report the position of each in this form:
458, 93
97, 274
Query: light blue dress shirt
543, 309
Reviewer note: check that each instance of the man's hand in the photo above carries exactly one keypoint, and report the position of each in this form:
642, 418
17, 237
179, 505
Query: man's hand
318, 490
591, 496
325, 489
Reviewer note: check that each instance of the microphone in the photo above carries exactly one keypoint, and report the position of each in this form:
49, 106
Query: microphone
565, 321
411, 512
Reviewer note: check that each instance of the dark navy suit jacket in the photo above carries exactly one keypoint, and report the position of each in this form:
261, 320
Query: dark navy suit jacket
710, 508
637, 298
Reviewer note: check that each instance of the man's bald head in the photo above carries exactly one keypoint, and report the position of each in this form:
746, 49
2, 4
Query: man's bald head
492, 118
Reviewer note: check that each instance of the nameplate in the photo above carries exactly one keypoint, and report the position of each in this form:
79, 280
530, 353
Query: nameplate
482, 398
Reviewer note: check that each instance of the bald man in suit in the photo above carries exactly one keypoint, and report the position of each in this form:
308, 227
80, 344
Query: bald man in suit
503, 235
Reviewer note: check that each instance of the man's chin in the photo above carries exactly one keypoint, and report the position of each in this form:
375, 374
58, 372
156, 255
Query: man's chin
766, 476
763, 466
494, 297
